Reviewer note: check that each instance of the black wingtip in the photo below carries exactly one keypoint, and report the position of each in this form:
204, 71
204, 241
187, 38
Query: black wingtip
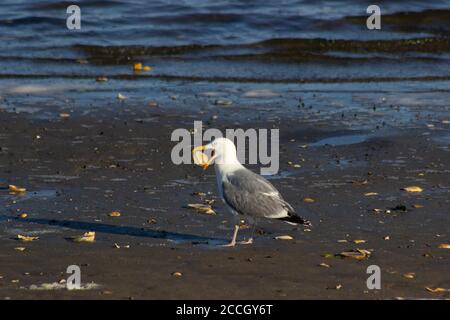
292, 218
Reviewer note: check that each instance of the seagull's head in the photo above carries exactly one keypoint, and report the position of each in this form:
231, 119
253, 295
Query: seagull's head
223, 151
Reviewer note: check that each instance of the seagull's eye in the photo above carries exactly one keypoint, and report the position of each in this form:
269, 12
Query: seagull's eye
213, 153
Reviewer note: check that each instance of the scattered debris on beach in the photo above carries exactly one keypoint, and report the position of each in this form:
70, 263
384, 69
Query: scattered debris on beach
308, 200
117, 246
413, 189
294, 165
437, 290
336, 287
284, 237
16, 189
26, 238
444, 246
138, 67
409, 275
357, 254
114, 214
86, 237
324, 265
63, 285
101, 79
223, 102
202, 208
359, 182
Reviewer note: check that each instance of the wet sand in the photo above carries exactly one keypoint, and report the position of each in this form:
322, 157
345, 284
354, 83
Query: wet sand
118, 159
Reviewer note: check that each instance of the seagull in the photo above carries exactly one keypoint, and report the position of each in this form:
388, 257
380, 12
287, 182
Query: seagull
245, 192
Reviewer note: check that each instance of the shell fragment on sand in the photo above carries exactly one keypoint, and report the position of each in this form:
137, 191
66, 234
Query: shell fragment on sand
358, 254
86, 237
26, 238
437, 290
284, 237
202, 208
137, 66
114, 214
223, 102
413, 189
14, 188
101, 79
121, 96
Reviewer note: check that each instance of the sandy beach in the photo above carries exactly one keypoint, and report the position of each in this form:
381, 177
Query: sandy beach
84, 167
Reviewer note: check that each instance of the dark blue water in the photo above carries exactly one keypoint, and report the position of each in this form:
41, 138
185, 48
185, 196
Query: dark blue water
195, 46
41, 24
115, 32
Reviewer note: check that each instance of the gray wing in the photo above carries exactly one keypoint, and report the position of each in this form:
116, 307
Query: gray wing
250, 194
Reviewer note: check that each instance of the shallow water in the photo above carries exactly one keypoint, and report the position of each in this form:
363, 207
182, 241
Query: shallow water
341, 140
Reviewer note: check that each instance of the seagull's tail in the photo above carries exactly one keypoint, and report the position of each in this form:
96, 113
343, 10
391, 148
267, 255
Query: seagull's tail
295, 220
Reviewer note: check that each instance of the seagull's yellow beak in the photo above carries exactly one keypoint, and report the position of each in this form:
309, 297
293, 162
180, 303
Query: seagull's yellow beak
200, 158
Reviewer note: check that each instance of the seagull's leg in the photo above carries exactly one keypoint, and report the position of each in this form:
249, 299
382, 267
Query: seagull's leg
233, 240
250, 240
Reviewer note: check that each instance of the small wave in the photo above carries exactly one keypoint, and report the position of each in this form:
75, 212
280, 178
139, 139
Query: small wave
288, 49
235, 79
30, 20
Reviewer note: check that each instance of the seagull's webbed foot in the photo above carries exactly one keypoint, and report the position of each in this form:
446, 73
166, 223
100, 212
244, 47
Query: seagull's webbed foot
249, 241
229, 245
